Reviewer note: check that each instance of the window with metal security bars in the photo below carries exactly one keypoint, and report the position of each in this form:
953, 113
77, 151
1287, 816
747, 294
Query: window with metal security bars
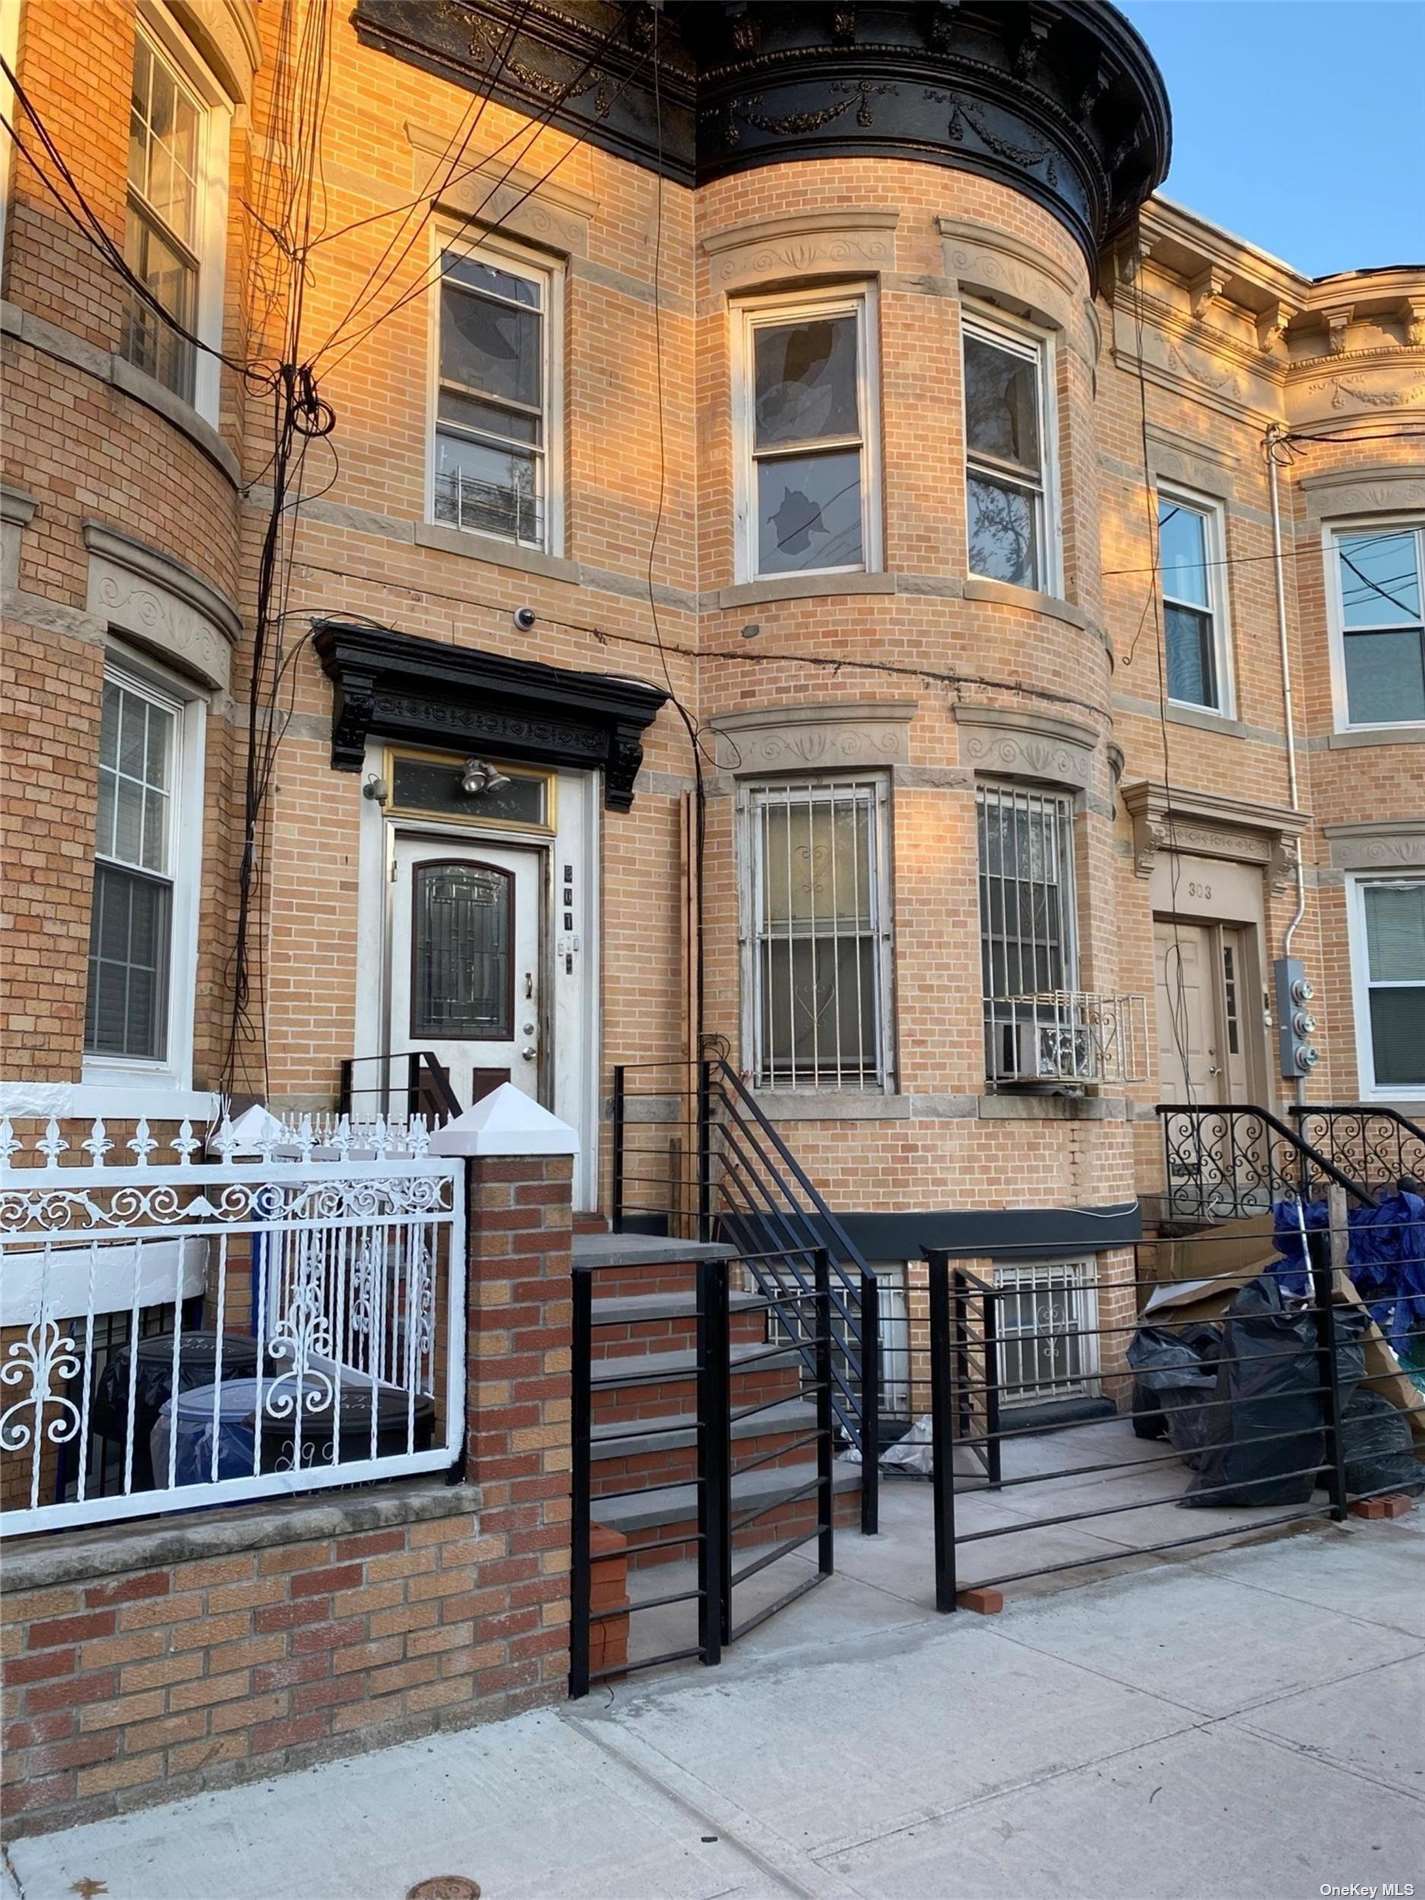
794, 1323
1046, 1316
1026, 917
816, 936
496, 421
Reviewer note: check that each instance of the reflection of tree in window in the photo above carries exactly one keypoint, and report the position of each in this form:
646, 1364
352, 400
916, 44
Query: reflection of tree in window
1001, 533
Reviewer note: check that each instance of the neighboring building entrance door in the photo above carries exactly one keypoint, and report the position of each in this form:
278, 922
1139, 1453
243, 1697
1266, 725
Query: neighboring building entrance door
1201, 981
466, 961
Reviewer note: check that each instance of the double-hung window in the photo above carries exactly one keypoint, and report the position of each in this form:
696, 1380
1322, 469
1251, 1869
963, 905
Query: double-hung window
1388, 958
1011, 502
816, 936
162, 236
1378, 597
138, 1013
495, 457
1190, 562
1027, 947
807, 464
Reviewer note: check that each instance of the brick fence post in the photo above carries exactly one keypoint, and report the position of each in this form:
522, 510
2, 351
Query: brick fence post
519, 1178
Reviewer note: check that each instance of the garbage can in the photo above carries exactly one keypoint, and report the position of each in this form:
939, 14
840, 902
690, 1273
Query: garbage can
149, 1361
229, 1413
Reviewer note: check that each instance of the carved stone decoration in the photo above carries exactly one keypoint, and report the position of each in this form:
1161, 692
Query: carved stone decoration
1337, 324
1390, 845
158, 603
1272, 326
1205, 289
838, 736
762, 81
819, 243
1026, 745
427, 692
1209, 826
1414, 314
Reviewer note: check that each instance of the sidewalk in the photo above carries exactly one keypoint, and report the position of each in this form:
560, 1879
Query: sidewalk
1246, 1723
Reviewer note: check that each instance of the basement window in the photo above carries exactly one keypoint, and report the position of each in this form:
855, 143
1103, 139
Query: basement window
1046, 1317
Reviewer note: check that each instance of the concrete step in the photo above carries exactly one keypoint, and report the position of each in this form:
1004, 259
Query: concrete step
629, 1309
636, 1250
753, 1491
654, 1367
633, 1438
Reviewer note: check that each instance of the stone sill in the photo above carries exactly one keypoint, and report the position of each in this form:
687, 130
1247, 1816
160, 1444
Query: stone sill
1206, 719
1006, 594
802, 587
44, 1559
489, 547
1030, 1107
1377, 735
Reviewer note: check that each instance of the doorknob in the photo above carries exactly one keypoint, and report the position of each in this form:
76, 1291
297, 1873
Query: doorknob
529, 1052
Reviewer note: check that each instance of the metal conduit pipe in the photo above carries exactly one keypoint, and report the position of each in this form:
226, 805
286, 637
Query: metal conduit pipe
1277, 433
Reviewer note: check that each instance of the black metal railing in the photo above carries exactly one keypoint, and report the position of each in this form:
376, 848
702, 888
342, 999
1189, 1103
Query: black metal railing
719, 1536
1271, 1401
694, 1155
424, 1087
1223, 1161
1377, 1146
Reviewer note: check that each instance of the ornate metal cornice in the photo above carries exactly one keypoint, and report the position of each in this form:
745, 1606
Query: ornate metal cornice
1059, 99
432, 694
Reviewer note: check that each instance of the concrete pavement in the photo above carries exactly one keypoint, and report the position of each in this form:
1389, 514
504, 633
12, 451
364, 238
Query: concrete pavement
1250, 1722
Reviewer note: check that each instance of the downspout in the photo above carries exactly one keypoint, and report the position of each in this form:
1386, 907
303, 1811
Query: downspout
1277, 433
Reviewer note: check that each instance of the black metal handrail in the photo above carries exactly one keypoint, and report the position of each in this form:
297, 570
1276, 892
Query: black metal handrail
427, 1089
735, 1177
1380, 1145
1224, 1160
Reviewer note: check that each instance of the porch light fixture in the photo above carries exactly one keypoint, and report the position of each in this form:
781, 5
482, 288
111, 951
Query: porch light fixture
477, 778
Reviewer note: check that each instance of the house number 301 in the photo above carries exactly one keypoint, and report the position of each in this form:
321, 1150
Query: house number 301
1199, 890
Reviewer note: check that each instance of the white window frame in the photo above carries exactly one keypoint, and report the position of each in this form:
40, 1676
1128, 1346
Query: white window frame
1040, 347
1214, 517
170, 44
1079, 1277
1336, 617
750, 801
747, 316
1361, 987
472, 244
165, 689
10, 48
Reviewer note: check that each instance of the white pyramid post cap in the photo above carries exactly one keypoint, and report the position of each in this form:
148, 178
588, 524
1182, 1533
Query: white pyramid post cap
505, 1122
256, 1127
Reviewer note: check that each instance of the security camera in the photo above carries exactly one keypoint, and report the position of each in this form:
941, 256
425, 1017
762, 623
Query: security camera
524, 618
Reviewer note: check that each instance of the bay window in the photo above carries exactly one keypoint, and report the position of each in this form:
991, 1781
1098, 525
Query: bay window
806, 421
175, 227
138, 1009
1011, 502
816, 938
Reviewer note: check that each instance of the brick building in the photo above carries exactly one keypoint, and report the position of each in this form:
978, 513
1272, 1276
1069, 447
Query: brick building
792, 571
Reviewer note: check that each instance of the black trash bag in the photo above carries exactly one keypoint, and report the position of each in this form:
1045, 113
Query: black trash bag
1268, 1432
1379, 1449
1174, 1383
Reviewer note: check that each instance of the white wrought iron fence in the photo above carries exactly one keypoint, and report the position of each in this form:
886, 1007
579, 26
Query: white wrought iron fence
1070, 1037
284, 1316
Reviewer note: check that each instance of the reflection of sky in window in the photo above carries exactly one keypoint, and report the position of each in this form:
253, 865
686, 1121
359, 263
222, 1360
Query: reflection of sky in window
1380, 579
809, 511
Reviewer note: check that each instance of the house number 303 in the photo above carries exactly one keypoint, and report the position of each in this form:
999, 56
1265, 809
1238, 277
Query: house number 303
1199, 890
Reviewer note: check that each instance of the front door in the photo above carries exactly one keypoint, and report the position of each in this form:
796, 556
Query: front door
1183, 980
465, 962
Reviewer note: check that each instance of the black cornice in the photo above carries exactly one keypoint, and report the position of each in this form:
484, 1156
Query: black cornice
1059, 99
431, 694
